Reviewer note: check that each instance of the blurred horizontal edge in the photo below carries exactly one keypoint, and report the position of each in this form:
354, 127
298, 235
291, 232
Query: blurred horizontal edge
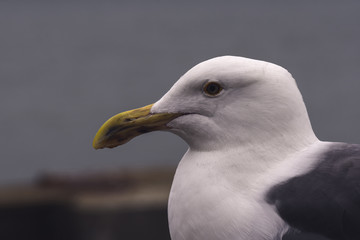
110, 205
144, 188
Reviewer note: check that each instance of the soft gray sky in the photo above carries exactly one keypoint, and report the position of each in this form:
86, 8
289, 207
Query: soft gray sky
65, 67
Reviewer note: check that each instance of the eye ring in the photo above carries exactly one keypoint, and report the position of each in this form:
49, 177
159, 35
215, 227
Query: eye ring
212, 89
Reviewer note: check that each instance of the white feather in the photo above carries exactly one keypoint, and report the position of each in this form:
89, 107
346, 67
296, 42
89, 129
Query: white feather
254, 134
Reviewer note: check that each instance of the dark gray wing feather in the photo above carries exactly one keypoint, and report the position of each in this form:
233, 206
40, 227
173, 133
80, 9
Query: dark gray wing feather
326, 200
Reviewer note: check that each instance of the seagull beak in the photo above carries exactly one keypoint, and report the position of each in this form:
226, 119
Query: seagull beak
124, 126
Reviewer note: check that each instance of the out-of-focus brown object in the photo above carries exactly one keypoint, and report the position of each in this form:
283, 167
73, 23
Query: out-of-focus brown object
99, 206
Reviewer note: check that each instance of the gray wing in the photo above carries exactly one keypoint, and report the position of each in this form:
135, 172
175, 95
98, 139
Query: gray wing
326, 200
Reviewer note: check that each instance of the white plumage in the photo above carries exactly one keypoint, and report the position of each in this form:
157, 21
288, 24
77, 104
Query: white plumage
254, 168
257, 122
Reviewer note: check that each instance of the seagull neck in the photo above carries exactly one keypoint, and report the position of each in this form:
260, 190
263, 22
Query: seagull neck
264, 151
245, 164
275, 141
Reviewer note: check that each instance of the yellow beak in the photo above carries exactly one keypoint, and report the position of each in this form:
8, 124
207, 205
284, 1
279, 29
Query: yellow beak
124, 126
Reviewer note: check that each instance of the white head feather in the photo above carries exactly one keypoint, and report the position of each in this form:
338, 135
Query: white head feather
260, 102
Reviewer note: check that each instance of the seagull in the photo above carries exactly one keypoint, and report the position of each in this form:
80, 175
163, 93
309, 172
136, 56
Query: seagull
254, 169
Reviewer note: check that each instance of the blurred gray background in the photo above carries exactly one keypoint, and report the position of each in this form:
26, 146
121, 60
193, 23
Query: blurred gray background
67, 66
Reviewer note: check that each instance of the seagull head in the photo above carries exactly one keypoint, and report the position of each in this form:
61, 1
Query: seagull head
220, 103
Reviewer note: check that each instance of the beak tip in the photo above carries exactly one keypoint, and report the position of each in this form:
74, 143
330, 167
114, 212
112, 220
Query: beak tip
97, 144
105, 144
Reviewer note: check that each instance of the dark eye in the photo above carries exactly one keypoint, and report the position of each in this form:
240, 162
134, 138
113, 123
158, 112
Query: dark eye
212, 89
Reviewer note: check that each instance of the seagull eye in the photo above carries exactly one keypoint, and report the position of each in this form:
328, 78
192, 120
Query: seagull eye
212, 89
